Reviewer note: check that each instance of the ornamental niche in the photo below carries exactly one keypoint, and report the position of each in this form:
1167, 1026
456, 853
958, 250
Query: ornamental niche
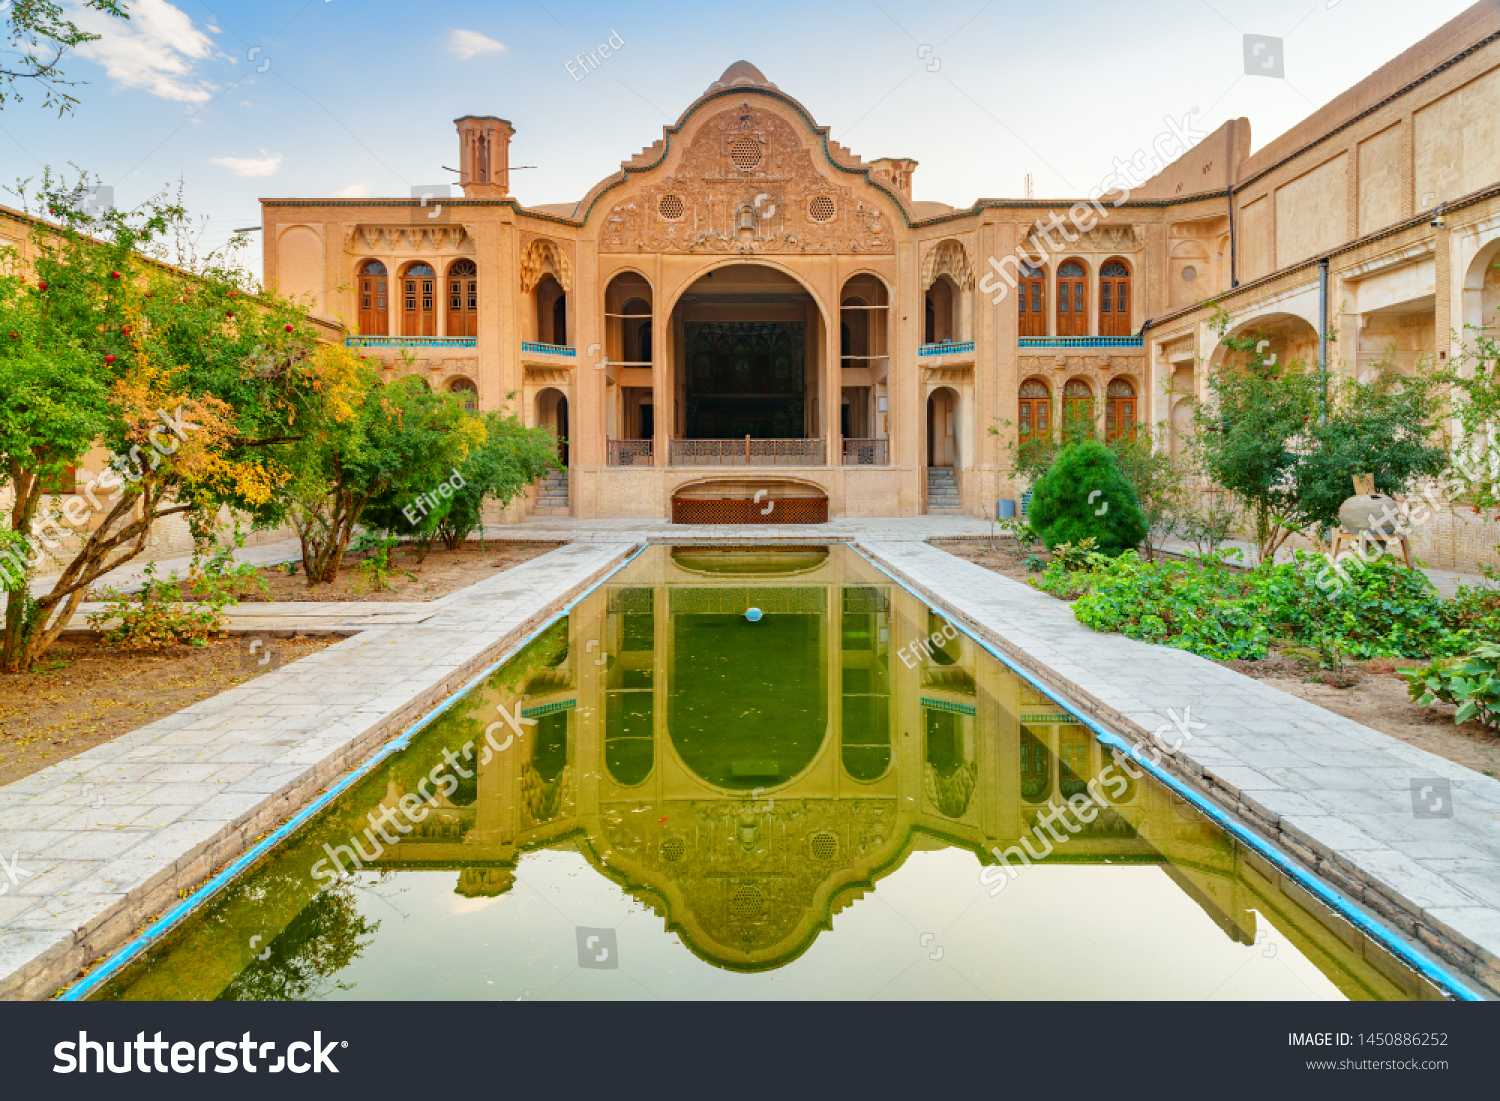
747, 185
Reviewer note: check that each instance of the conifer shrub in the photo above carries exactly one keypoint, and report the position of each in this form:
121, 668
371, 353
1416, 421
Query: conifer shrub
1085, 496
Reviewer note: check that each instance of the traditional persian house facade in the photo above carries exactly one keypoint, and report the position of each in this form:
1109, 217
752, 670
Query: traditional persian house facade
749, 312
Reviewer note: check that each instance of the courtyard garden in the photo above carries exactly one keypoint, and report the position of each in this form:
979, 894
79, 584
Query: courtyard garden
1271, 462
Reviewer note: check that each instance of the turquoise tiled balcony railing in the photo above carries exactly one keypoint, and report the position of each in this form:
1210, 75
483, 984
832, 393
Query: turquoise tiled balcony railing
537, 348
1082, 342
947, 348
410, 341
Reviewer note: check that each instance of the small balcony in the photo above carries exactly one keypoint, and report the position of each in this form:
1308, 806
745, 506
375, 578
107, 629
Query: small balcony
559, 351
1082, 342
411, 342
748, 452
630, 452
946, 348
867, 452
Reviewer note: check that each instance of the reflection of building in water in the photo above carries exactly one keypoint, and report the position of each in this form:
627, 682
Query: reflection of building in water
749, 781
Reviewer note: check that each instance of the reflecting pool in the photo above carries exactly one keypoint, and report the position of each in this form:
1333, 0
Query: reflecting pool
659, 798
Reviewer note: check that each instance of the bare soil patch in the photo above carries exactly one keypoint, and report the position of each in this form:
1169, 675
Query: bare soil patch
1002, 556
442, 572
83, 693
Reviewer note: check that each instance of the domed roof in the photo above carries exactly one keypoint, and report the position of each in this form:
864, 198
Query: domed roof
741, 73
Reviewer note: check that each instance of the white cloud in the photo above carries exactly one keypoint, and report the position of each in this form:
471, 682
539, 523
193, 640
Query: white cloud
353, 191
466, 44
155, 49
262, 165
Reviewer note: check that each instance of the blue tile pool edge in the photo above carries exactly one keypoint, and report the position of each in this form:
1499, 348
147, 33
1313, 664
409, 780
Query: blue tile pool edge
179, 913
1346, 908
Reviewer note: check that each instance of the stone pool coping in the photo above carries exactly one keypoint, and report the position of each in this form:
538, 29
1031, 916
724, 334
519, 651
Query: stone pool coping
108, 839
1334, 794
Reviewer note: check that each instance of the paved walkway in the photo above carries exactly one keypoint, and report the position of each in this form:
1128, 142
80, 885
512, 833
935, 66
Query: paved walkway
1346, 799
107, 839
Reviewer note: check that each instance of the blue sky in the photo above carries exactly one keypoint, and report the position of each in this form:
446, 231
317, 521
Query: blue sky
359, 96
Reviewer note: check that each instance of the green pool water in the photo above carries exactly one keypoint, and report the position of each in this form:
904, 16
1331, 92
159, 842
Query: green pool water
660, 799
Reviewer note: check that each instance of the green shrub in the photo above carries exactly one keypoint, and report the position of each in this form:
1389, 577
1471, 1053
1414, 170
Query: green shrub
1197, 605
1084, 495
1474, 613
158, 617
1472, 686
1385, 609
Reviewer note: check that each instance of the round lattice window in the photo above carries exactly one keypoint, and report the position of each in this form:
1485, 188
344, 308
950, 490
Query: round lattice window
1189, 274
673, 848
747, 904
824, 845
745, 152
821, 209
670, 207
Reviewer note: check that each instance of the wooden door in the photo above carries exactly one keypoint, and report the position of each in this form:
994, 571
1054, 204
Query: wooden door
419, 301
373, 314
942, 429
1072, 300
1114, 299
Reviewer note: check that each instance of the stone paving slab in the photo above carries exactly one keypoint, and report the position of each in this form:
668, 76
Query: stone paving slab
107, 839
1339, 796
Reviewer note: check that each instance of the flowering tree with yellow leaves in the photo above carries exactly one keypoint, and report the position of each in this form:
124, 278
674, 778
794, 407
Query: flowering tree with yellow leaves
201, 388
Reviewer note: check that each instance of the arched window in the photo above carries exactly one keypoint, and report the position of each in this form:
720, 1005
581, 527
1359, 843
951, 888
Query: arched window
1078, 408
419, 300
374, 318
467, 393
1032, 288
463, 298
1036, 408
1119, 409
1114, 299
1072, 300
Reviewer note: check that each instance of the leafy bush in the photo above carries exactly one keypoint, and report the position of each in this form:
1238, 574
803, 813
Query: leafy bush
1197, 605
1385, 610
1084, 495
158, 617
1205, 607
1473, 687
1475, 611
1074, 569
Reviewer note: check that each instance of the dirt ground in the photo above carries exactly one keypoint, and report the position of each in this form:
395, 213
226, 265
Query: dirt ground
1003, 557
82, 693
1376, 697
442, 573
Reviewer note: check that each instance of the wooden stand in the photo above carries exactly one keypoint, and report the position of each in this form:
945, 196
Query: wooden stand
1374, 537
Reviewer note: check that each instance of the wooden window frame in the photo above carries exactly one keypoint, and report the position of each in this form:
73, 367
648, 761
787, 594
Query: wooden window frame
1072, 291
419, 311
1031, 289
373, 293
1115, 292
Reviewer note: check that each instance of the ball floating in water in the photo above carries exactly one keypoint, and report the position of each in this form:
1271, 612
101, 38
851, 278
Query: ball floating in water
754, 615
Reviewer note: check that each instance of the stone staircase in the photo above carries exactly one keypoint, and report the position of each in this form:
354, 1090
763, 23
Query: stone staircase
552, 495
942, 492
